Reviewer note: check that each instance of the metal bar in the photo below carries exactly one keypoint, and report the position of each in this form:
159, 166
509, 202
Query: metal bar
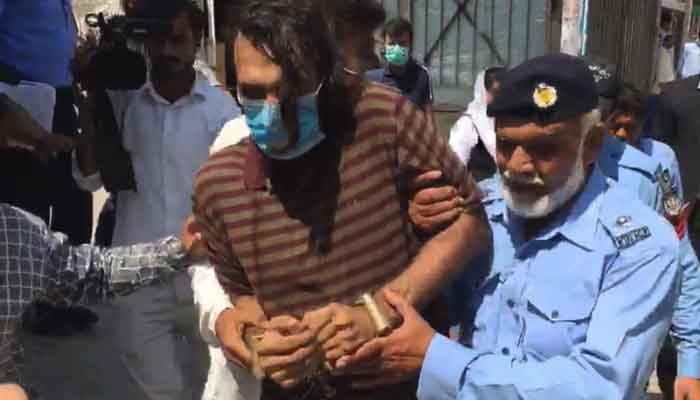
442, 42
527, 32
510, 32
475, 58
428, 54
483, 36
493, 21
443, 33
458, 58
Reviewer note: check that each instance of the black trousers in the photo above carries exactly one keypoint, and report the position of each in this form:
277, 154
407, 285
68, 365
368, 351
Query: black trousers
48, 190
666, 368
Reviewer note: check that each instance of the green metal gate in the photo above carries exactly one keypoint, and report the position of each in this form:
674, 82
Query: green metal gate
458, 38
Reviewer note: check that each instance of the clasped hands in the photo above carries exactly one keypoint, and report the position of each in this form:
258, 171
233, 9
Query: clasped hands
338, 337
288, 349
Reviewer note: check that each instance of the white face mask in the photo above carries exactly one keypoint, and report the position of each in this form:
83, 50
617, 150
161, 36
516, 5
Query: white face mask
551, 202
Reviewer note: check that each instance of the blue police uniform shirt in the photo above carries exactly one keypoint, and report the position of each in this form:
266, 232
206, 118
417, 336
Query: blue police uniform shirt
623, 163
38, 39
637, 172
685, 328
577, 312
666, 157
413, 82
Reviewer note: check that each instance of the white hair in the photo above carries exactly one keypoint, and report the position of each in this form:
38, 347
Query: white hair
588, 121
551, 202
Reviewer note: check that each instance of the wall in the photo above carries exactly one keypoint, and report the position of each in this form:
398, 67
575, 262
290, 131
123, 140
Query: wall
624, 33
457, 45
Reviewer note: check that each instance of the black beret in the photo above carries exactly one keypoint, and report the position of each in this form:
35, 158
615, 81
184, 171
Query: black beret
607, 84
550, 88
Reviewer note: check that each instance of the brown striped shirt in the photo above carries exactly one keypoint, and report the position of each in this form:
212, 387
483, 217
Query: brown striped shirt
297, 247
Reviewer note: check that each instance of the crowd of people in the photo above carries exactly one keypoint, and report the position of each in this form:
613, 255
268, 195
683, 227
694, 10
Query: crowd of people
332, 243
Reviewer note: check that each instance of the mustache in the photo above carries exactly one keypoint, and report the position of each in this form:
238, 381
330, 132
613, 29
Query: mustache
510, 178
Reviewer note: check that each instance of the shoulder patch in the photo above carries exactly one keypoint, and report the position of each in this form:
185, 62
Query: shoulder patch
671, 200
631, 238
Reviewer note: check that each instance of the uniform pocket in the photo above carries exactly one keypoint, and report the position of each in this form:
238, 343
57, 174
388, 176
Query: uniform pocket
556, 320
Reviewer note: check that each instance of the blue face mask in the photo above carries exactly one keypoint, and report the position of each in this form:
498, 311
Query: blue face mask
267, 127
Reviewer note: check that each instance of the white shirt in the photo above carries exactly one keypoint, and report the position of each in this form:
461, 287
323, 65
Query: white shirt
167, 143
664, 69
690, 60
474, 125
226, 380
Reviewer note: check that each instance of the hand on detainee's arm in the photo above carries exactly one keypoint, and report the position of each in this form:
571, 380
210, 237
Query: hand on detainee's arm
433, 205
421, 149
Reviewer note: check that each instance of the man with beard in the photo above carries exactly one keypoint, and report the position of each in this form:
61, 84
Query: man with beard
308, 216
167, 127
578, 296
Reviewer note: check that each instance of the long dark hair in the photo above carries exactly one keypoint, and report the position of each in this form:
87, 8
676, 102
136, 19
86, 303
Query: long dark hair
295, 36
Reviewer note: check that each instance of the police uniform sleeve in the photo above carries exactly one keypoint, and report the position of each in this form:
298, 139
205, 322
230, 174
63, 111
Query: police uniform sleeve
685, 326
630, 319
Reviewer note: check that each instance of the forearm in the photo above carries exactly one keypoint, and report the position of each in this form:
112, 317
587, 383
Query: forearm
131, 266
210, 300
12, 116
451, 371
442, 258
685, 327
89, 272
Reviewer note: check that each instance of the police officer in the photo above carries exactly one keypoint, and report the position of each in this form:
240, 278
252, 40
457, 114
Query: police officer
650, 174
578, 293
625, 123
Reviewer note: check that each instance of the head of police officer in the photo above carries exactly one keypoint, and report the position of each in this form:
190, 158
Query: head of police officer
549, 134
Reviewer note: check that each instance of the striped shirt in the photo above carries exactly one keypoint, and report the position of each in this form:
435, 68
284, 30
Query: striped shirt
297, 245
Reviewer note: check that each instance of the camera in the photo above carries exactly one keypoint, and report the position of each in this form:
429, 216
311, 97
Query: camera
115, 65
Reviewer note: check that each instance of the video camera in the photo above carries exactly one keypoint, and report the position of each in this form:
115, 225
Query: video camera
115, 66
117, 63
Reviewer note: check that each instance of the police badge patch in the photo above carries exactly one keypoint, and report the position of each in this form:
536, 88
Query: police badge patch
670, 199
631, 238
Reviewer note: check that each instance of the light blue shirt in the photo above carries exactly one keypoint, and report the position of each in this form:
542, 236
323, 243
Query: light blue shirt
685, 328
38, 39
577, 312
664, 155
633, 169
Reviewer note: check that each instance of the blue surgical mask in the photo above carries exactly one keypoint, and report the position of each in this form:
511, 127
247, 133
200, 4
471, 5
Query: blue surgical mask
267, 127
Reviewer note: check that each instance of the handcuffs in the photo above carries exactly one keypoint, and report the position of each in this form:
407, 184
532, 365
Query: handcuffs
380, 322
252, 334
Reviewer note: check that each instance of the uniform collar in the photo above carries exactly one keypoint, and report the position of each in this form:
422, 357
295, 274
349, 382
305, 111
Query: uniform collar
615, 152
200, 89
647, 146
578, 224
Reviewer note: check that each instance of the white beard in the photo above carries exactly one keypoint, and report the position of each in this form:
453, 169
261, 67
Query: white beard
551, 202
